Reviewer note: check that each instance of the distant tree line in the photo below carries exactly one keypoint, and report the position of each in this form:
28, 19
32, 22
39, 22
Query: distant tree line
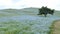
45, 11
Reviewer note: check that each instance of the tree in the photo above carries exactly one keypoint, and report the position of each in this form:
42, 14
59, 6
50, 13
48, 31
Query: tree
45, 11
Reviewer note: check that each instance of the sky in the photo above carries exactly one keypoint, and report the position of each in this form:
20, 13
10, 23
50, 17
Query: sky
19, 4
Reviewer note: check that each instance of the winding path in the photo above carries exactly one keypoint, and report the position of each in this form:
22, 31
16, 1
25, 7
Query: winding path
56, 28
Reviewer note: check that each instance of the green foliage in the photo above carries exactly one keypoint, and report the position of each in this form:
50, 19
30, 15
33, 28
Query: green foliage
16, 31
45, 11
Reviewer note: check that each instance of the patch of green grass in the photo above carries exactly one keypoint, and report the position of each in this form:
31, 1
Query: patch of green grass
6, 15
16, 31
3, 29
10, 28
57, 13
15, 27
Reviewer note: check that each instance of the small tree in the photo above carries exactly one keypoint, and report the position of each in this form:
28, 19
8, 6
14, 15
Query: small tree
45, 11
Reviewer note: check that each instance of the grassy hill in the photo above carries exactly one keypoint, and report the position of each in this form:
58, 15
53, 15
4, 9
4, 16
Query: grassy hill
25, 21
57, 13
27, 11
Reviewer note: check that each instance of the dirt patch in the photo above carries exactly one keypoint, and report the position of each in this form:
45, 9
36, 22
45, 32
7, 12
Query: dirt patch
56, 27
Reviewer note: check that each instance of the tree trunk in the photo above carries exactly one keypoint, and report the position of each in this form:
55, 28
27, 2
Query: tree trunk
45, 15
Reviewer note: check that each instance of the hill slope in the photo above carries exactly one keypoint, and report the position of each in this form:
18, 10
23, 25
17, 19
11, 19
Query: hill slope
27, 21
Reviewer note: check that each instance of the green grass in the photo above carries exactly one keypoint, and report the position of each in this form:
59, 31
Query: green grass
57, 13
8, 15
14, 27
10, 27
16, 31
